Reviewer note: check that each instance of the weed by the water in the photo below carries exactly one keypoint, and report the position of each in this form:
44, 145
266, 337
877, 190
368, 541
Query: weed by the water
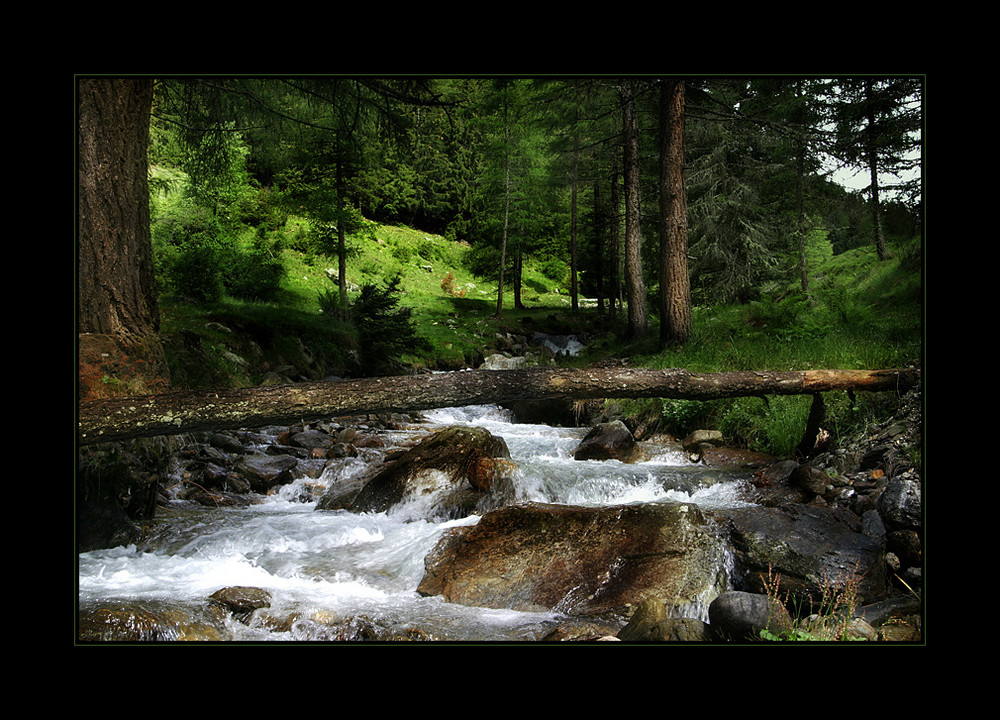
829, 618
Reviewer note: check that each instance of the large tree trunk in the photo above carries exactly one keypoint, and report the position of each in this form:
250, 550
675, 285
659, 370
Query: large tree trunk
181, 412
635, 289
675, 282
118, 314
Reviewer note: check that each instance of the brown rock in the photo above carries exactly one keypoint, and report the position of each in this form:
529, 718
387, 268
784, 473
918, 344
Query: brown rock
607, 441
581, 561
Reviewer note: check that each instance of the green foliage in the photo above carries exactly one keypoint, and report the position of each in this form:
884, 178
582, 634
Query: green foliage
196, 257
682, 417
297, 234
254, 272
385, 329
228, 233
555, 270
189, 247
774, 425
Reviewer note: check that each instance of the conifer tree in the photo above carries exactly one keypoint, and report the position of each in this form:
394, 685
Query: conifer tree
878, 123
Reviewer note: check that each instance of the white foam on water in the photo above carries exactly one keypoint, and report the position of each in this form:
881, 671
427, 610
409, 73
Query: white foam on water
371, 564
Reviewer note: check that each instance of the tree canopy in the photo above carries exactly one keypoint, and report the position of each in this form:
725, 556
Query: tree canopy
610, 181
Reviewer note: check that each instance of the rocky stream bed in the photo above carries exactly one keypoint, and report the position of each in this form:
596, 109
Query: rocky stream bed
831, 548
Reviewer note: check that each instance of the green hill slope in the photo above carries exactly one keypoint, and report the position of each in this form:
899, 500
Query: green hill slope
232, 342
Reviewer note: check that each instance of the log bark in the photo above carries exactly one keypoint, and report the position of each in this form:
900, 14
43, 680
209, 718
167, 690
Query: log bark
182, 412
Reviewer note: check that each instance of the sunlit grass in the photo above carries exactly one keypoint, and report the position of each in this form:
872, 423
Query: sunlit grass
860, 314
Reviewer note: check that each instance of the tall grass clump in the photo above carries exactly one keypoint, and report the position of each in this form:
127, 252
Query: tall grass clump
772, 425
827, 618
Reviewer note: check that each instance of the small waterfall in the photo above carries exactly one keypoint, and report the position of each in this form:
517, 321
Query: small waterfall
343, 563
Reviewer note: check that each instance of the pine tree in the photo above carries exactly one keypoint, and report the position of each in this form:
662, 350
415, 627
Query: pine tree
878, 123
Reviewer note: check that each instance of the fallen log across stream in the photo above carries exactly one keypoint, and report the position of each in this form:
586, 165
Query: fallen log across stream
178, 412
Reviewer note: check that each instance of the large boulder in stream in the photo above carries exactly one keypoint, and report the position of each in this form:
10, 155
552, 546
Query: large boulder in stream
581, 561
811, 549
608, 441
453, 470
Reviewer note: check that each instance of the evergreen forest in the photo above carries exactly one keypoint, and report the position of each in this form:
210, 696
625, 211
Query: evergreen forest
360, 226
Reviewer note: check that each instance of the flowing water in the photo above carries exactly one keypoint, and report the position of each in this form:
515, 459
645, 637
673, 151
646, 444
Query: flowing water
349, 564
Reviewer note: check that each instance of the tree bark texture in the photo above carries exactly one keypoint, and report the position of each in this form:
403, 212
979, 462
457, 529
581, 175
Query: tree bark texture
635, 290
675, 280
181, 412
116, 293
117, 314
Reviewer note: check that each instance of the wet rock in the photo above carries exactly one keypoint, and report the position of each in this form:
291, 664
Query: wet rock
502, 362
650, 623
581, 561
907, 547
264, 472
809, 547
811, 479
149, 622
329, 627
226, 442
735, 458
464, 461
240, 599
608, 441
219, 498
741, 616
901, 503
699, 440
872, 526
773, 485
581, 631
117, 489
311, 439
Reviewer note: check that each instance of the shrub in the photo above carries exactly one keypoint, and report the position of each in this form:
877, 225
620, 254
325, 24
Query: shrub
195, 270
385, 330
449, 287
681, 417
330, 305
254, 273
555, 270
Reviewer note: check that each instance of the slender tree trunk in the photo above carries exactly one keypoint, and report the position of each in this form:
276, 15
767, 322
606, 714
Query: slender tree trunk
341, 238
800, 211
506, 211
503, 238
182, 412
880, 249
600, 249
675, 282
615, 240
518, 274
876, 200
574, 289
118, 314
635, 289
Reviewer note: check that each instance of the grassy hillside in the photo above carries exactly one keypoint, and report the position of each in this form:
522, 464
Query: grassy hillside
233, 342
861, 313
